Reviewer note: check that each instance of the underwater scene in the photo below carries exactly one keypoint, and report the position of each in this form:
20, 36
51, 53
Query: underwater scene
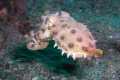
59, 39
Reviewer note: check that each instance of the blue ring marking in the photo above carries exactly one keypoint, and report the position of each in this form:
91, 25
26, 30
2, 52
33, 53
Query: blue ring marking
90, 45
62, 21
53, 25
43, 30
84, 48
28, 33
54, 33
39, 43
32, 45
79, 39
35, 37
94, 45
64, 25
59, 13
38, 34
73, 31
90, 37
31, 41
71, 45
62, 37
35, 31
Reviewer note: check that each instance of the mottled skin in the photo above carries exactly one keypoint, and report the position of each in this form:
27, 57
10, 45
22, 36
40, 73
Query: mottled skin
72, 37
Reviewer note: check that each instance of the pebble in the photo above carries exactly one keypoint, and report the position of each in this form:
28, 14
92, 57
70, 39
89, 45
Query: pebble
36, 78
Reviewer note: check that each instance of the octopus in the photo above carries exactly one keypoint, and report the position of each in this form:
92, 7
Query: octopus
71, 36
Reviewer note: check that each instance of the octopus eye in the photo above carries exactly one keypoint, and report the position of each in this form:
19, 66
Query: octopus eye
64, 25
62, 37
73, 31
84, 48
54, 33
71, 45
43, 30
90, 45
79, 39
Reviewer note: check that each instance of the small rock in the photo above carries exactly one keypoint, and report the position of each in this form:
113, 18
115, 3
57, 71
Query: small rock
36, 78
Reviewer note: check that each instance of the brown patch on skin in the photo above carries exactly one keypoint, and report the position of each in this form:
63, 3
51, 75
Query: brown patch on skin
79, 56
58, 43
93, 52
64, 48
68, 27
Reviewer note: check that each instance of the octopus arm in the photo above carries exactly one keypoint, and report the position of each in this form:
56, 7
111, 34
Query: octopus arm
36, 46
